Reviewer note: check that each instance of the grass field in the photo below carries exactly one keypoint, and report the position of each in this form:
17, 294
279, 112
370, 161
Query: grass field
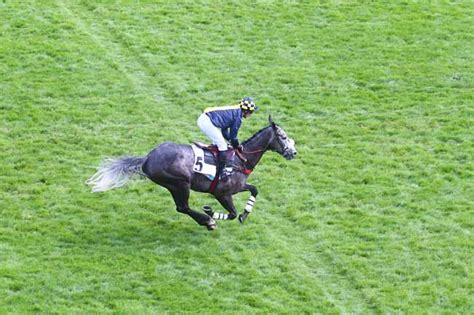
374, 216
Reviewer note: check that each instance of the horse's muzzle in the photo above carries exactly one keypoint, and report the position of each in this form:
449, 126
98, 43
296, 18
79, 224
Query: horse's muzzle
290, 154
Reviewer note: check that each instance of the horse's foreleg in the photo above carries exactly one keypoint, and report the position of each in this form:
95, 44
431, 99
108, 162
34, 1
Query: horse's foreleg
228, 204
250, 202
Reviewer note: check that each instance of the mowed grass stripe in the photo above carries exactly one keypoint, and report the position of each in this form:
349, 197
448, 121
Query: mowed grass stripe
116, 54
146, 119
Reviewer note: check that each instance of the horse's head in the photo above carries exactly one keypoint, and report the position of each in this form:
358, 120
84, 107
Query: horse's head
281, 143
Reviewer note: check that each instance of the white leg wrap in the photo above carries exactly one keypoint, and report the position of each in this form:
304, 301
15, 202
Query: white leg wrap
220, 216
250, 204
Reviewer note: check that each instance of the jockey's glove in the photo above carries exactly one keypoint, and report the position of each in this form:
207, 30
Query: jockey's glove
235, 143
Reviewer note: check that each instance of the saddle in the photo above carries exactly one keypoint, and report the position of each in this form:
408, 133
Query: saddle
209, 147
215, 151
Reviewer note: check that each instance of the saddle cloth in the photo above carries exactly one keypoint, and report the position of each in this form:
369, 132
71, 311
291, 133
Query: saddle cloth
205, 159
204, 162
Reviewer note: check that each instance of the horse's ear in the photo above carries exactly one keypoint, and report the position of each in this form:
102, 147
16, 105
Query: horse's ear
270, 120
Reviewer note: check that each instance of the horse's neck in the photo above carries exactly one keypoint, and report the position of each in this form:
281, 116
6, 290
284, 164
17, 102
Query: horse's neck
257, 146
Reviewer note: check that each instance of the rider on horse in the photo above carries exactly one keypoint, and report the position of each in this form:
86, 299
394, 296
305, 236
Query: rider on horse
223, 123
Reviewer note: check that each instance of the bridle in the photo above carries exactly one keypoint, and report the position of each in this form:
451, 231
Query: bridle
284, 147
275, 134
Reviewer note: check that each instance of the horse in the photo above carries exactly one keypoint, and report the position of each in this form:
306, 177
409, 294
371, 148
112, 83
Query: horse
170, 165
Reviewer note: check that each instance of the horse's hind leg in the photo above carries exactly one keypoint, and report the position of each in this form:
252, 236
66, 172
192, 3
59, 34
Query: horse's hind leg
181, 197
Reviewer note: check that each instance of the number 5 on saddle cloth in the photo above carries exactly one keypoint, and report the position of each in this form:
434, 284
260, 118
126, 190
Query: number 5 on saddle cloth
205, 160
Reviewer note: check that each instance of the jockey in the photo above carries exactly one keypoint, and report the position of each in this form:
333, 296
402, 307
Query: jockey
223, 123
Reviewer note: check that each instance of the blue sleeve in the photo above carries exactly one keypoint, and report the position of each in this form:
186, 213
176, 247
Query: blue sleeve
225, 133
234, 128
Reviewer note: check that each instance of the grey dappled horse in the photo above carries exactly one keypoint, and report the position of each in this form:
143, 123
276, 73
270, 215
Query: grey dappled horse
171, 165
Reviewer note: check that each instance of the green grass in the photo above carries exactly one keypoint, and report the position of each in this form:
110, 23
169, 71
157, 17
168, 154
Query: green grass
374, 216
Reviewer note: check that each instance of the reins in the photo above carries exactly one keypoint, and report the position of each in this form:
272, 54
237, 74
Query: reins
252, 152
242, 154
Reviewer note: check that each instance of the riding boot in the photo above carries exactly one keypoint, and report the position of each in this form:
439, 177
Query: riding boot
224, 168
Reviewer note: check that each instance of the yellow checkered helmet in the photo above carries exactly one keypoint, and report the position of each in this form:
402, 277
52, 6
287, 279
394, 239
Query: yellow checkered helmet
248, 104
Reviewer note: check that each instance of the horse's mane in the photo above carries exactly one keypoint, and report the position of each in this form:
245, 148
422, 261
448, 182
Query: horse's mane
255, 135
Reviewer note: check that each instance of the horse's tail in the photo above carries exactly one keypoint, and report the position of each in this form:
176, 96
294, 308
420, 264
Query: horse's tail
114, 173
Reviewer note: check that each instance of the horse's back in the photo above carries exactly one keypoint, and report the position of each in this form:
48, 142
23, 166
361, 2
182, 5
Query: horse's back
169, 160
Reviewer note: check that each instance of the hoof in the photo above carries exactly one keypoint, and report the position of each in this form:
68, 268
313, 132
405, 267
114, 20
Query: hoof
243, 217
211, 225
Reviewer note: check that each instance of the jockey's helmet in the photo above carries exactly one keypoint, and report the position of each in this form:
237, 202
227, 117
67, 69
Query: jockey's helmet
248, 104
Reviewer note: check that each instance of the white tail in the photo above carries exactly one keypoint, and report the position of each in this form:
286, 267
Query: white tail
114, 173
